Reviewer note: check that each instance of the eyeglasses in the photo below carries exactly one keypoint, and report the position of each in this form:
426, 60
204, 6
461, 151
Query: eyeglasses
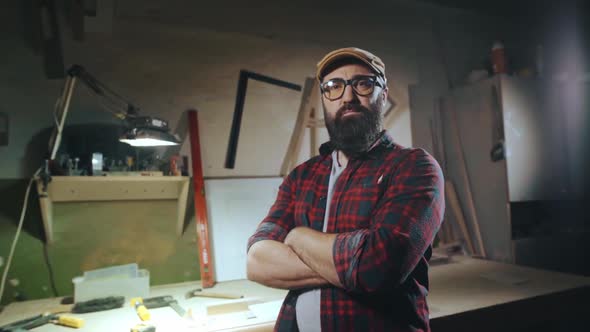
362, 85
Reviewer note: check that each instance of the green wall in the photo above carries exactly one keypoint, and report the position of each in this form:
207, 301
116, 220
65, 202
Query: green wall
89, 236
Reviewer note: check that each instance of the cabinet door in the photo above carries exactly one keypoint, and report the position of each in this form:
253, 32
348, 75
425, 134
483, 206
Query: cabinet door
536, 153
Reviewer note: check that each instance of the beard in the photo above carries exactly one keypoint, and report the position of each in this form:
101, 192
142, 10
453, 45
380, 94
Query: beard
354, 134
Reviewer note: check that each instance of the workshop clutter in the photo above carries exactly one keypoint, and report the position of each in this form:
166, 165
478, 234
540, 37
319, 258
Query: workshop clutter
104, 164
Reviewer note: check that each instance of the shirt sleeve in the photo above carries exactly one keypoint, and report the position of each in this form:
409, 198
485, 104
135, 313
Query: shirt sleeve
403, 227
279, 221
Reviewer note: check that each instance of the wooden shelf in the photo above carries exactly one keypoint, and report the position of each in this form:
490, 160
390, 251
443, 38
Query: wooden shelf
111, 188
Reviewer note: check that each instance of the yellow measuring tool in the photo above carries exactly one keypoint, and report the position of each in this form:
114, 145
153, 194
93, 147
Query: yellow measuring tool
142, 312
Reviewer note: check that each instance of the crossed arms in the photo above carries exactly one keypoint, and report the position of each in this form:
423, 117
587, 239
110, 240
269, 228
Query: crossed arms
403, 226
304, 260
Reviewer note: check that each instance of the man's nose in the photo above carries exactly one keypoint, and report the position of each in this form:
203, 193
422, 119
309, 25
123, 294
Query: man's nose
349, 95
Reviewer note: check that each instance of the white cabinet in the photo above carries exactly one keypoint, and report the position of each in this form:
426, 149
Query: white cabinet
522, 144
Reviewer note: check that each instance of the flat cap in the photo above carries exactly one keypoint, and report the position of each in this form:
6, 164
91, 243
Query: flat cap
365, 57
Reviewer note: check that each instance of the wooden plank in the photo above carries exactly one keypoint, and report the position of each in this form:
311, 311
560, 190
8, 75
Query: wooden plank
312, 104
113, 188
61, 112
231, 307
313, 133
46, 211
315, 121
300, 124
445, 233
453, 200
465, 175
206, 261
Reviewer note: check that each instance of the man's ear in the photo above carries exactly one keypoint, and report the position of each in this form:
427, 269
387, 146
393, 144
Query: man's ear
384, 96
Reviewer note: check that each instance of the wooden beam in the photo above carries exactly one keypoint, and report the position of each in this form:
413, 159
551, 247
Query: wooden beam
465, 174
308, 101
446, 232
313, 134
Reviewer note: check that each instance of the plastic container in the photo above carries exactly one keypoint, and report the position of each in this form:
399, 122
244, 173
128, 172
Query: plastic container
120, 280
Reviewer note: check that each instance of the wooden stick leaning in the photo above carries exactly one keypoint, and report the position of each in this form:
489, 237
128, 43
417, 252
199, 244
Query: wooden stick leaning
465, 175
308, 101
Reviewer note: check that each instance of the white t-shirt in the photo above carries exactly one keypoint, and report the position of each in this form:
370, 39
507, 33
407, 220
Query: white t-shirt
309, 303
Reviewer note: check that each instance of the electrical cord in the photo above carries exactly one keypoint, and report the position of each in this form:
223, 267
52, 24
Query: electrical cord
16, 236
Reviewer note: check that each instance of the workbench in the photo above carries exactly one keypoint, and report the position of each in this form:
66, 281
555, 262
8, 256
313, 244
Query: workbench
466, 294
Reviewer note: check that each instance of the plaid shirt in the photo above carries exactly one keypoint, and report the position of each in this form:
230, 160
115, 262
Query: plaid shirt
387, 206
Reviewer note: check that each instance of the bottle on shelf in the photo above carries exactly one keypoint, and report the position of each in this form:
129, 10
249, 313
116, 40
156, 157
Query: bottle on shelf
498, 58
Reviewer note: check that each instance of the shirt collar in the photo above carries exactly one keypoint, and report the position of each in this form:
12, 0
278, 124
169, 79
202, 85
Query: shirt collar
384, 140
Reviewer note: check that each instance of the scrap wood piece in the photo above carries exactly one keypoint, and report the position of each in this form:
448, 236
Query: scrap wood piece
219, 295
231, 307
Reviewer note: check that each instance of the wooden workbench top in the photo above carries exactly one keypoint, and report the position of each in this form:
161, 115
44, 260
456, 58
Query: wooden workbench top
463, 285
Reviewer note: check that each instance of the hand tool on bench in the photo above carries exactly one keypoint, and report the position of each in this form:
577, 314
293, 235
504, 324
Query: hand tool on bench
36, 321
99, 304
164, 301
200, 293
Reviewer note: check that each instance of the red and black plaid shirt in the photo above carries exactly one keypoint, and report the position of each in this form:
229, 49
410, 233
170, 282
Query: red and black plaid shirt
387, 206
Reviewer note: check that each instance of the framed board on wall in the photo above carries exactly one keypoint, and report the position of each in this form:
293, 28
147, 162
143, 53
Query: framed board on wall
236, 207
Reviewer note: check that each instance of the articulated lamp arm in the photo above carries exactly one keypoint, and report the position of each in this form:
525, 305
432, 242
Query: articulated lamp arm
144, 131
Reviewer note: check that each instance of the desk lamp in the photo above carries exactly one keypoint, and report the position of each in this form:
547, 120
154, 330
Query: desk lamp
142, 131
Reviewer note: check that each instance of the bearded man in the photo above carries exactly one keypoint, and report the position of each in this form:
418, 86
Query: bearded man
351, 231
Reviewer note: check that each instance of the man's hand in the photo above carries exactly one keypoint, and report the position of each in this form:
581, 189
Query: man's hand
315, 250
274, 264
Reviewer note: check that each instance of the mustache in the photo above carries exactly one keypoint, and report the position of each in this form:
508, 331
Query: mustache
351, 107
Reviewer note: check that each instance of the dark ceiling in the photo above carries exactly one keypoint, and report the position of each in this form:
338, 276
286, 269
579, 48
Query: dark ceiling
512, 8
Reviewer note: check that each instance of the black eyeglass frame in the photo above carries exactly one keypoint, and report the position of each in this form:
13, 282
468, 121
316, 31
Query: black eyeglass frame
373, 78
